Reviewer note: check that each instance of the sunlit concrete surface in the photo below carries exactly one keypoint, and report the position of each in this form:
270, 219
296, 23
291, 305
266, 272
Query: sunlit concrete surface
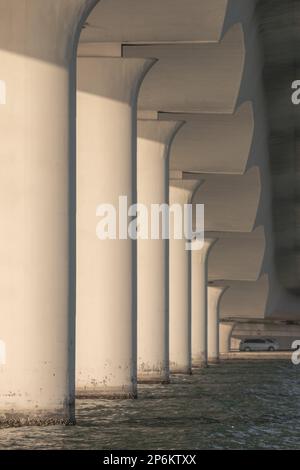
199, 302
154, 140
156, 21
106, 275
214, 296
181, 192
225, 333
37, 273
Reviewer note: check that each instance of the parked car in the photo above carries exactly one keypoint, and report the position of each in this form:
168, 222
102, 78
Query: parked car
259, 344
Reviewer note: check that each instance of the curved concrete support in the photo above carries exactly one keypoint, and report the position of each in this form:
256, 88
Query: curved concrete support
246, 299
37, 285
200, 146
156, 21
236, 203
179, 286
267, 296
239, 12
199, 303
231, 201
154, 140
274, 211
186, 78
225, 331
237, 256
106, 270
258, 299
214, 296
45, 32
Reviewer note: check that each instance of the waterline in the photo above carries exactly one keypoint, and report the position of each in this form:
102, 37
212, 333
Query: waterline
248, 404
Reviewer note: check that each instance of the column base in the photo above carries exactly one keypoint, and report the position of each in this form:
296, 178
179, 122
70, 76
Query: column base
199, 361
213, 360
181, 370
200, 364
225, 356
108, 393
153, 378
19, 419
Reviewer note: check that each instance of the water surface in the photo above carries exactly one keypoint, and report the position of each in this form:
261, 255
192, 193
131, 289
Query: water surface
238, 404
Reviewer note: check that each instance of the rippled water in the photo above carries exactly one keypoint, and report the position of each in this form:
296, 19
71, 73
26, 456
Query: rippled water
235, 405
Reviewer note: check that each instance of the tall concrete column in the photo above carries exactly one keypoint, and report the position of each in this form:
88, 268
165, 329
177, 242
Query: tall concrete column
225, 331
154, 139
106, 268
179, 293
199, 303
214, 296
37, 209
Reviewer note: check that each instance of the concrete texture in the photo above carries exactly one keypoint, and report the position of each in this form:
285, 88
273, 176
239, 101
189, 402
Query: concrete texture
214, 296
199, 303
37, 275
106, 269
225, 332
153, 144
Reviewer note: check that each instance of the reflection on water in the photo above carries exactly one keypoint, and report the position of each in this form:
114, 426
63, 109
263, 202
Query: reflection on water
238, 404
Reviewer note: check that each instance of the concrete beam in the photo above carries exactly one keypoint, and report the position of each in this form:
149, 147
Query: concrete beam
141, 21
193, 78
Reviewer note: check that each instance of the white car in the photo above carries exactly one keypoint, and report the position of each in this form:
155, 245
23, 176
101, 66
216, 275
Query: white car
259, 344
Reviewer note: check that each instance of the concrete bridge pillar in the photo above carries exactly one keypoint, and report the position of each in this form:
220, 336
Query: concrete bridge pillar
37, 209
106, 262
225, 331
199, 303
154, 140
214, 296
179, 292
